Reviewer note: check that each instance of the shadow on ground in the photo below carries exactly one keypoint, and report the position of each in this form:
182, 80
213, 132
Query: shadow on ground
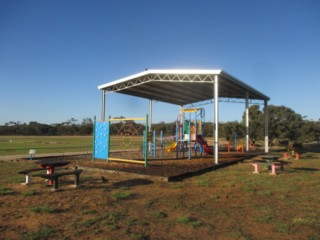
306, 169
132, 182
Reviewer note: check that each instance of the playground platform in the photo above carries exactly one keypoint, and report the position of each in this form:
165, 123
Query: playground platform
164, 169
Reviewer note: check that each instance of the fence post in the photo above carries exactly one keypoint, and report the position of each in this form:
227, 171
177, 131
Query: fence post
94, 138
154, 144
146, 142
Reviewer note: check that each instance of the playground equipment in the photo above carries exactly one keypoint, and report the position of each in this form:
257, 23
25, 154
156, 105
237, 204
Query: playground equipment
172, 147
125, 140
241, 146
128, 139
204, 144
189, 132
128, 143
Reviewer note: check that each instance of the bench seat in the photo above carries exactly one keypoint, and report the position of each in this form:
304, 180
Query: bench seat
27, 173
55, 177
274, 165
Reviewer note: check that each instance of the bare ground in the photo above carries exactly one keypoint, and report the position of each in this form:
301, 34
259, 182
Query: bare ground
228, 203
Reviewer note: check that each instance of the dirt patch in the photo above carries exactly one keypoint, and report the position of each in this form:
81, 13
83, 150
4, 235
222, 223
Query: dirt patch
168, 168
230, 203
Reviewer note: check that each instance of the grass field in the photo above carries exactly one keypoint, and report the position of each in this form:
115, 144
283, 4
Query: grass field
229, 203
13, 145
10, 145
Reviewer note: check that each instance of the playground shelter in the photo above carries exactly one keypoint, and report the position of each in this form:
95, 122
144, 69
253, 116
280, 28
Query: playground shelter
175, 85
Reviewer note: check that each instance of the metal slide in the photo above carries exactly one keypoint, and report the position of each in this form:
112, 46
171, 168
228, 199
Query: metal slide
204, 144
172, 147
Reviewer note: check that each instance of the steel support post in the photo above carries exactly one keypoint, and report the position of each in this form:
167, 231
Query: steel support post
103, 108
266, 127
247, 124
150, 114
216, 119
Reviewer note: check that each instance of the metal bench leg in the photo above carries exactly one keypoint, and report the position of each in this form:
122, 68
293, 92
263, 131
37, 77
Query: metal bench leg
55, 184
273, 169
255, 165
28, 179
77, 180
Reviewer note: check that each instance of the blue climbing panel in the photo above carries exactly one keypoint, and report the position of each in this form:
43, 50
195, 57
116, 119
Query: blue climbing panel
101, 148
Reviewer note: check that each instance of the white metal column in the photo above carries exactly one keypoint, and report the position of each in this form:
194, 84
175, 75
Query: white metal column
216, 119
247, 124
150, 115
266, 127
103, 108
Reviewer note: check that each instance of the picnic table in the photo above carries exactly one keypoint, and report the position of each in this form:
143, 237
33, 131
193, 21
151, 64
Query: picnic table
51, 165
270, 158
272, 161
51, 175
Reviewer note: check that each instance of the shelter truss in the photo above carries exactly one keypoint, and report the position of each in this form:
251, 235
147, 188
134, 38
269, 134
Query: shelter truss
182, 87
189, 88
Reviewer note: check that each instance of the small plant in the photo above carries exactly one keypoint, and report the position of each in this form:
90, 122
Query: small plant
121, 195
239, 234
282, 228
151, 203
112, 217
176, 185
43, 233
136, 222
265, 193
90, 222
42, 209
5, 191
263, 219
30, 193
107, 219
88, 211
111, 226
306, 221
139, 236
189, 221
17, 179
266, 215
235, 234
314, 237
204, 183
249, 189
159, 214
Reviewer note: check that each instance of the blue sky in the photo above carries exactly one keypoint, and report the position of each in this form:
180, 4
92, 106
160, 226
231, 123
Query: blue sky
54, 54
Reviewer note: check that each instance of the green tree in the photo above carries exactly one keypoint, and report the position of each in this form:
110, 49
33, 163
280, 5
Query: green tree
207, 129
86, 126
256, 123
158, 127
284, 123
310, 131
230, 128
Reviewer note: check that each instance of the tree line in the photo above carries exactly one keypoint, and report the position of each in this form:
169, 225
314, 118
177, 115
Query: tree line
285, 125
70, 127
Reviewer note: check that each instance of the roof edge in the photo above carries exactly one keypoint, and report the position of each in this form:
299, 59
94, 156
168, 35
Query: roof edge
245, 85
161, 71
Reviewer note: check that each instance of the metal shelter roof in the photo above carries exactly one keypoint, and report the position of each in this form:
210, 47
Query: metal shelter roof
182, 87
